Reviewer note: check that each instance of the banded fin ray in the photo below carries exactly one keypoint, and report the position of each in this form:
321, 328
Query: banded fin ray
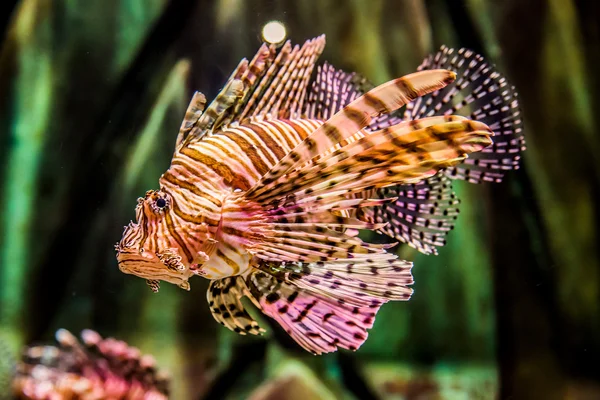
355, 116
222, 110
192, 115
271, 84
498, 105
282, 90
483, 94
410, 152
232, 90
224, 299
403, 153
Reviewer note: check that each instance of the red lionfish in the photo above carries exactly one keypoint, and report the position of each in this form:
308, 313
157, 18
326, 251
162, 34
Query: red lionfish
270, 184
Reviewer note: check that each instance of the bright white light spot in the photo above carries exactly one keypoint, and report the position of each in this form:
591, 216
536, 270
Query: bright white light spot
274, 32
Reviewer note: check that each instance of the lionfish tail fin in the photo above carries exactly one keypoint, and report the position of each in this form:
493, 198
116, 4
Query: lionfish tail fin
483, 94
326, 306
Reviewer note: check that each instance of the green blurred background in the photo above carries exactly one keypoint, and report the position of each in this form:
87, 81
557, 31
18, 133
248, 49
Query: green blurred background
92, 93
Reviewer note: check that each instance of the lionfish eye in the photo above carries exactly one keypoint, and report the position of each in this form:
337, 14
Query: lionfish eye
161, 203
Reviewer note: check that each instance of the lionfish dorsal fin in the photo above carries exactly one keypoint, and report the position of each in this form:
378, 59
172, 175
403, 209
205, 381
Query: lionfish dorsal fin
216, 111
273, 83
282, 90
332, 90
206, 121
192, 115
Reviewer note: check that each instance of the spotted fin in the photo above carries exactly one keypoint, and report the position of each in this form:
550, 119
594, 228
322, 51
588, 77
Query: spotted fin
421, 215
483, 94
354, 282
327, 306
332, 90
224, 299
498, 108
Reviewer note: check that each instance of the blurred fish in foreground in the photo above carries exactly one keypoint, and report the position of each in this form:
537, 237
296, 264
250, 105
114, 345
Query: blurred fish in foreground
95, 369
270, 184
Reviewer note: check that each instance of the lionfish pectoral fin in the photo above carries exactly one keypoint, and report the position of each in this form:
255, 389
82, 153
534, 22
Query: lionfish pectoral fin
307, 228
482, 94
224, 299
357, 115
326, 306
215, 112
422, 214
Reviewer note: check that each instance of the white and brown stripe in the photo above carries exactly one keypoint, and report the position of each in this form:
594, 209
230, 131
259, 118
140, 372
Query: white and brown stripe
204, 172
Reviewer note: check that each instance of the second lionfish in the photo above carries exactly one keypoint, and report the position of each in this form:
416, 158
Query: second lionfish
270, 184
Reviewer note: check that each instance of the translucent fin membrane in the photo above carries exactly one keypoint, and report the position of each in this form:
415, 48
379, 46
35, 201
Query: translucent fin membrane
421, 215
482, 94
332, 90
282, 89
329, 305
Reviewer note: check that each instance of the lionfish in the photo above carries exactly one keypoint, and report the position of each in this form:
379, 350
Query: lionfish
96, 368
270, 185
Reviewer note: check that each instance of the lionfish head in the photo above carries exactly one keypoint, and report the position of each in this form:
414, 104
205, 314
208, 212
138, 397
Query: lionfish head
147, 249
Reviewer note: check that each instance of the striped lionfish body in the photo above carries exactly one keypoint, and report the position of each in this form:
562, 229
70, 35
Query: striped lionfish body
270, 183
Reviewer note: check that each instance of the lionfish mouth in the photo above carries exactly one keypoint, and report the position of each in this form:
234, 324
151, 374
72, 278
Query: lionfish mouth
166, 265
153, 268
